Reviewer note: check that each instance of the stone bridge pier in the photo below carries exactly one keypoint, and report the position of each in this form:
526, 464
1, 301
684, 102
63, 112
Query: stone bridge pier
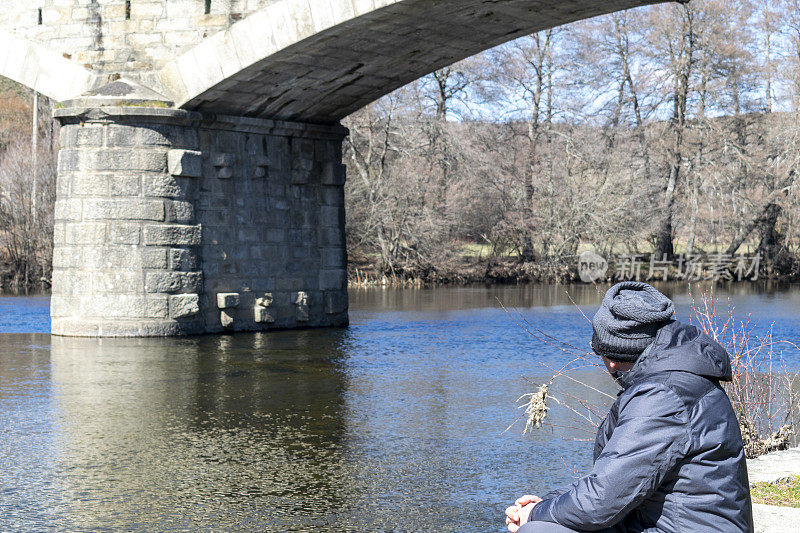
174, 222
200, 177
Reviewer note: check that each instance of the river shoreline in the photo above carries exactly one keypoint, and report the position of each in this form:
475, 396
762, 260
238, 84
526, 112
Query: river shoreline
470, 270
474, 271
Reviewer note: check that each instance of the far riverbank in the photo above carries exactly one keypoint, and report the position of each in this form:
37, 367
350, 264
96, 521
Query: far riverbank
366, 271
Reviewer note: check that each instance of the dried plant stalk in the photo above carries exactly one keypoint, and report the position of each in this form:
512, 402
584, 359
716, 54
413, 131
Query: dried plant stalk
536, 408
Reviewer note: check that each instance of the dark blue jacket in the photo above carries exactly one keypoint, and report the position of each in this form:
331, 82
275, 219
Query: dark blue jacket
668, 457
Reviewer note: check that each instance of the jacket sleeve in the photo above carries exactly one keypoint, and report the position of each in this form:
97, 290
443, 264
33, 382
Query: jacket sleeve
650, 438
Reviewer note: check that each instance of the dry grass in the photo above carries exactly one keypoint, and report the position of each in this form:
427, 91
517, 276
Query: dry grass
362, 280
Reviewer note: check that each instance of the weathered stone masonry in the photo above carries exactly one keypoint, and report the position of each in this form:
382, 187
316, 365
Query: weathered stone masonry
169, 222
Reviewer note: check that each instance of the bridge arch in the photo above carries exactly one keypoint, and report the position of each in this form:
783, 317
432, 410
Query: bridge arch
320, 60
41, 69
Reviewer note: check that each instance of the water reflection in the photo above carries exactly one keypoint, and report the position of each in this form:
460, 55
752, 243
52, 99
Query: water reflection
394, 424
544, 295
30, 449
295, 431
212, 432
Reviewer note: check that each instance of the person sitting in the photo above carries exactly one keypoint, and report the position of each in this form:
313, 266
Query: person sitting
668, 457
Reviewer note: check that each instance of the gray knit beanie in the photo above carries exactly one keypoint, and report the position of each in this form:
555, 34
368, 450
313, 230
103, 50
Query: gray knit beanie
631, 314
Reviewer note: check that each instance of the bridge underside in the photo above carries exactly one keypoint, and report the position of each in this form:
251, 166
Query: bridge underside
324, 75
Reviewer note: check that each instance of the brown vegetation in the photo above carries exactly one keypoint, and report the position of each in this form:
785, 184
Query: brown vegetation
664, 129
27, 191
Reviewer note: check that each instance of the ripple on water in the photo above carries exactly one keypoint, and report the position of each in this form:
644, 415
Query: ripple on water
394, 423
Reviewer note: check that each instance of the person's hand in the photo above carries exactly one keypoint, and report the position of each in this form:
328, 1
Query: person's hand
518, 514
522, 501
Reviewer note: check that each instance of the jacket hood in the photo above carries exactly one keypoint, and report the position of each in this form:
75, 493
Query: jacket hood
681, 347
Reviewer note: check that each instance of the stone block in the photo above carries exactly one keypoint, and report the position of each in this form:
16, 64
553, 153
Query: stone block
186, 163
335, 302
332, 195
324, 150
121, 135
124, 282
181, 259
260, 252
265, 301
67, 135
172, 235
332, 216
275, 235
123, 209
301, 177
63, 185
184, 305
263, 315
61, 305
302, 252
89, 136
288, 283
152, 136
71, 282
162, 185
227, 300
223, 165
118, 159
226, 319
69, 209
334, 257
121, 185
61, 257
333, 173
303, 163
68, 161
156, 307
303, 148
123, 306
223, 160
124, 234
59, 234
332, 279
173, 282
85, 233
331, 236
247, 235
180, 212
153, 258
108, 256
261, 164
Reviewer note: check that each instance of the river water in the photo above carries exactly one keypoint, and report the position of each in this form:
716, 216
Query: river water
393, 424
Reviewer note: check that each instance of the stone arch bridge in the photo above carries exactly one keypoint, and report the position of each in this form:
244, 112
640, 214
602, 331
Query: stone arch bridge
200, 177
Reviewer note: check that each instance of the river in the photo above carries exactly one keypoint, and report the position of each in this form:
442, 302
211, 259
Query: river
393, 424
